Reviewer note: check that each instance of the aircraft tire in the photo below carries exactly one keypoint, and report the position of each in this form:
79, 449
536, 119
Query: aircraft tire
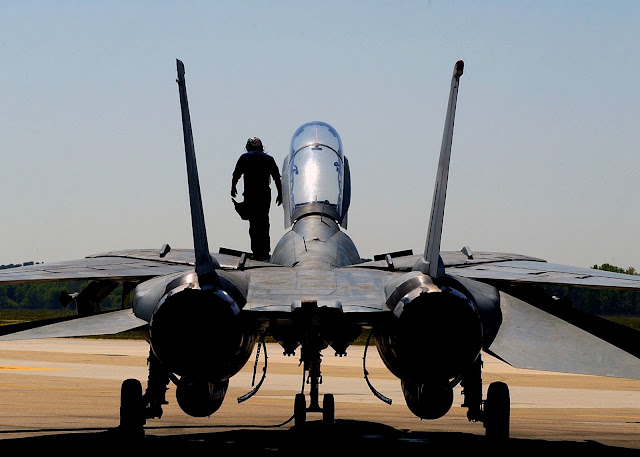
497, 411
328, 409
132, 418
299, 411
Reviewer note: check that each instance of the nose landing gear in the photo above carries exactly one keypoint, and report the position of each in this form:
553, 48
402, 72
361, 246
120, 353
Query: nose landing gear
300, 410
311, 358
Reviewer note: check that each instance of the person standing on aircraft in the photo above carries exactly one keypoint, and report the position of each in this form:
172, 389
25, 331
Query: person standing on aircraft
258, 168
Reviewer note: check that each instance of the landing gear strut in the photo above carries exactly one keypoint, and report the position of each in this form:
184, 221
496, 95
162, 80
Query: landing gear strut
155, 395
136, 408
300, 409
311, 358
494, 412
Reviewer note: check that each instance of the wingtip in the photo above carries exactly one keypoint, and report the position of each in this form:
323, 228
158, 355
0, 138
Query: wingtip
459, 68
180, 78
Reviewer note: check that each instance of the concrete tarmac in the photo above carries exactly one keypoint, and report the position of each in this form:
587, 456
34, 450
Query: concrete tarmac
62, 392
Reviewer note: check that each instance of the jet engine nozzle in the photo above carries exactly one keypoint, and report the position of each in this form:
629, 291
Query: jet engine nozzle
436, 334
200, 334
430, 400
199, 398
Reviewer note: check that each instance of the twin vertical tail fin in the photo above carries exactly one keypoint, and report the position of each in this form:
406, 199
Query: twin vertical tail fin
205, 264
431, 263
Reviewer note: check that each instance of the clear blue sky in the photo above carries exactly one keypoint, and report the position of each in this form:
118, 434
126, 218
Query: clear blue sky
545, 161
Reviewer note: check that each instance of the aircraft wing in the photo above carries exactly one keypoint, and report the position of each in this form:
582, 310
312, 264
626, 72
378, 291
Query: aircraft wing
128, 265
536, 331
529, 272
357, 290
116, 266
504, 268
108, 323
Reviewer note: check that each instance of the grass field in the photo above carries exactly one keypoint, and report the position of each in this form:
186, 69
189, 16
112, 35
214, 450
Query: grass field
16, 316
628, 321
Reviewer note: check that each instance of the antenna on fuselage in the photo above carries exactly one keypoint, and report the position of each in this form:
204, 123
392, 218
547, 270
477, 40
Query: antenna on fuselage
205, 264
431, 263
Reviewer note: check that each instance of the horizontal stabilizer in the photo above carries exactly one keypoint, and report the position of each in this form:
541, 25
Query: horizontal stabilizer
108, 323
533, 339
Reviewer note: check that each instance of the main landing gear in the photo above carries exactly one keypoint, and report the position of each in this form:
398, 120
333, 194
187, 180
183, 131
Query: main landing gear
497, 411
494, 412
132, 410
136, 408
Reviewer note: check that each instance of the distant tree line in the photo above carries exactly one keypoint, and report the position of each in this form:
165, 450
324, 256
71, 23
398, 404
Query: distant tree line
599, 301
15, 265
46, 295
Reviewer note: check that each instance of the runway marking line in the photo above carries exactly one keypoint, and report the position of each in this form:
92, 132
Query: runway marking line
598, 416
57, 388
18, 368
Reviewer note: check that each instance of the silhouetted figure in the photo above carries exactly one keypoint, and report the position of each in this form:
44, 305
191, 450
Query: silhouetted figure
258, 168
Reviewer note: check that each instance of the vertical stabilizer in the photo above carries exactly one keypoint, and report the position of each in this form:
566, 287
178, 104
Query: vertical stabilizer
431, 264
205, 264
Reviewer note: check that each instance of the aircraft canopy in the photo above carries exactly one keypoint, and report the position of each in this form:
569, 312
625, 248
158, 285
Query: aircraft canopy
316, 171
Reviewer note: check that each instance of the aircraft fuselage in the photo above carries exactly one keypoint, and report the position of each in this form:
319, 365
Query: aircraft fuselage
315, 241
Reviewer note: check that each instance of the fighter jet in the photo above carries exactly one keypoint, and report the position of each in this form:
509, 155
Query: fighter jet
431, 315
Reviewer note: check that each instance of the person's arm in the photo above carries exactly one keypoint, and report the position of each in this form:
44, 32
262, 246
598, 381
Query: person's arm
237, 172
279, 187
275, 174
234, 182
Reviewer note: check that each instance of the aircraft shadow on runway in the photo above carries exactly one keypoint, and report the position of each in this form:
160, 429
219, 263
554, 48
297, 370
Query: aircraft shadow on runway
345, 436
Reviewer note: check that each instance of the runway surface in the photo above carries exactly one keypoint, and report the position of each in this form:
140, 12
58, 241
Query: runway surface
60, 392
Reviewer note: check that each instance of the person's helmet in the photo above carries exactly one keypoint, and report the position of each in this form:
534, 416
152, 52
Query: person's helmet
254, 144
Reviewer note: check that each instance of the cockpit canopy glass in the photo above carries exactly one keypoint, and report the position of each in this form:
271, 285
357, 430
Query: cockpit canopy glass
316, 170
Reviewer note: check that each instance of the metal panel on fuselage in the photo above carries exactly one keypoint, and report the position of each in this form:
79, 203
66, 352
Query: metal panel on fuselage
277, 289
